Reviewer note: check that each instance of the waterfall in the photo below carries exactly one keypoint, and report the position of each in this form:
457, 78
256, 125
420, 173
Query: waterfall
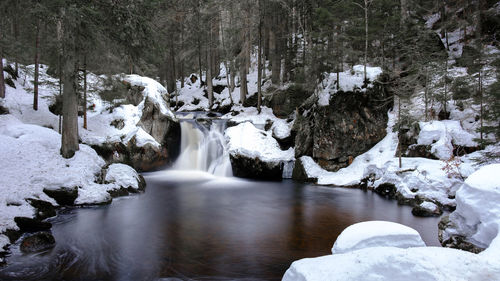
203, 147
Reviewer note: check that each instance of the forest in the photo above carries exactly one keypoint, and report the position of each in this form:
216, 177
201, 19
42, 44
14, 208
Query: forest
264, 131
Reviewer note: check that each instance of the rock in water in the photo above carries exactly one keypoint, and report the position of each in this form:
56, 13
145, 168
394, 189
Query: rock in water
37, 242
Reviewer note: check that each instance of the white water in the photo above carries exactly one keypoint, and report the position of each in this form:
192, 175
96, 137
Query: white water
203, 148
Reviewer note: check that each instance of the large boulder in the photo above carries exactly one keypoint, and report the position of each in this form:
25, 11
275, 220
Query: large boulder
476, 221
285, 101
37, 242
255, 153
352, 123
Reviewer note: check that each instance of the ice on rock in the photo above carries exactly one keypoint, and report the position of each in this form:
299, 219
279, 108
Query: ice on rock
376, 234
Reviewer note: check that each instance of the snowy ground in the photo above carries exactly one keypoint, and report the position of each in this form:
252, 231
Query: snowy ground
30, 143
371, 251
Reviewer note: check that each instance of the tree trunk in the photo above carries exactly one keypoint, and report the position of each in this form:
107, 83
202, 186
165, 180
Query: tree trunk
366, 38
426, 93
399, 132
210, 89
85, 92
259, 63
199, 62
232, 68
171, 71
37, 66
243, 86
2, 79
181, 60
69, 144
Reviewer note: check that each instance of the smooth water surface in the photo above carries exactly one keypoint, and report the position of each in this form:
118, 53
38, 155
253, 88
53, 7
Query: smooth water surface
201, 228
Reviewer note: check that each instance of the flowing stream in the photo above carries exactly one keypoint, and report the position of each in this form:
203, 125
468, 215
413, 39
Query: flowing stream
196, 226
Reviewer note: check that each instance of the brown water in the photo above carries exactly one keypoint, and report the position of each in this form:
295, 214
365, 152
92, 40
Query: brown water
205, 230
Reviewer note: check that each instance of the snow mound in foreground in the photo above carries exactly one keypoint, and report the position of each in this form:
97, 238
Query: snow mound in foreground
390, 263
245, 139
478, 206
376, 234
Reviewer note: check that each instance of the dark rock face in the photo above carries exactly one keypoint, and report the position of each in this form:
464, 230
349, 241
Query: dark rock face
43, 209
387, 189
3, 110
285, 102
350, 125
37, 242
420, 151
64, 195
299, 173
254, 168
31, 225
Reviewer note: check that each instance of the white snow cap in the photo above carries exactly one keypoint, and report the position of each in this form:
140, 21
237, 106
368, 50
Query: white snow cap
247, 140
478, 206
376, 234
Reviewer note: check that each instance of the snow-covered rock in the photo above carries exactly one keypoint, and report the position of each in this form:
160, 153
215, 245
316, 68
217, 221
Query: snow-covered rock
255, 153
442, 135
376, 234
349, 80
426, 209
477, 217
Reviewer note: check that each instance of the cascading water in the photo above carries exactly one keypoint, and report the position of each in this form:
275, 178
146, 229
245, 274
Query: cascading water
203, 146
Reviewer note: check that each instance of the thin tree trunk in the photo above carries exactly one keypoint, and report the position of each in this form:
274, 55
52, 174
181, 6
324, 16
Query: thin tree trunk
181, 61
15, 24
232, 68
2, 79
366, 37
69, 143
426, 92
85, 92
210, 89
37, 66
399, 133
259, 62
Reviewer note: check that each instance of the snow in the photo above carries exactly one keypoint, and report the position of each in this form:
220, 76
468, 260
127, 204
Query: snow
245, 139
350, 80
391, 263
30, 148
441, 135
376, 234
477, 217
100, 129
123, 176
478, 210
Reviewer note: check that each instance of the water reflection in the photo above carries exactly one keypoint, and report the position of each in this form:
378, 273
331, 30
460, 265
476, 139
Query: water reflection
205, 229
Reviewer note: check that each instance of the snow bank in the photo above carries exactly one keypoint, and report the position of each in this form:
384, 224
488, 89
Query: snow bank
478, 207
34, 163
376, 234
441, 135
245, 139
349, 80
390, 263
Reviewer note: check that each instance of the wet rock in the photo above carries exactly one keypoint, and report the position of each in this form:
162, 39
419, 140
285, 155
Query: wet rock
43, 208
64, 196
427, 209
299, 172
31, 225
387, 189
254, 168
37, 242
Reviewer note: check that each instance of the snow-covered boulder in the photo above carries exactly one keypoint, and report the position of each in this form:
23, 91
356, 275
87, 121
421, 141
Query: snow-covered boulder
376, 234
144, 134
426, 209
442, 136
255, 153
390, 263
125, 179
477, 217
